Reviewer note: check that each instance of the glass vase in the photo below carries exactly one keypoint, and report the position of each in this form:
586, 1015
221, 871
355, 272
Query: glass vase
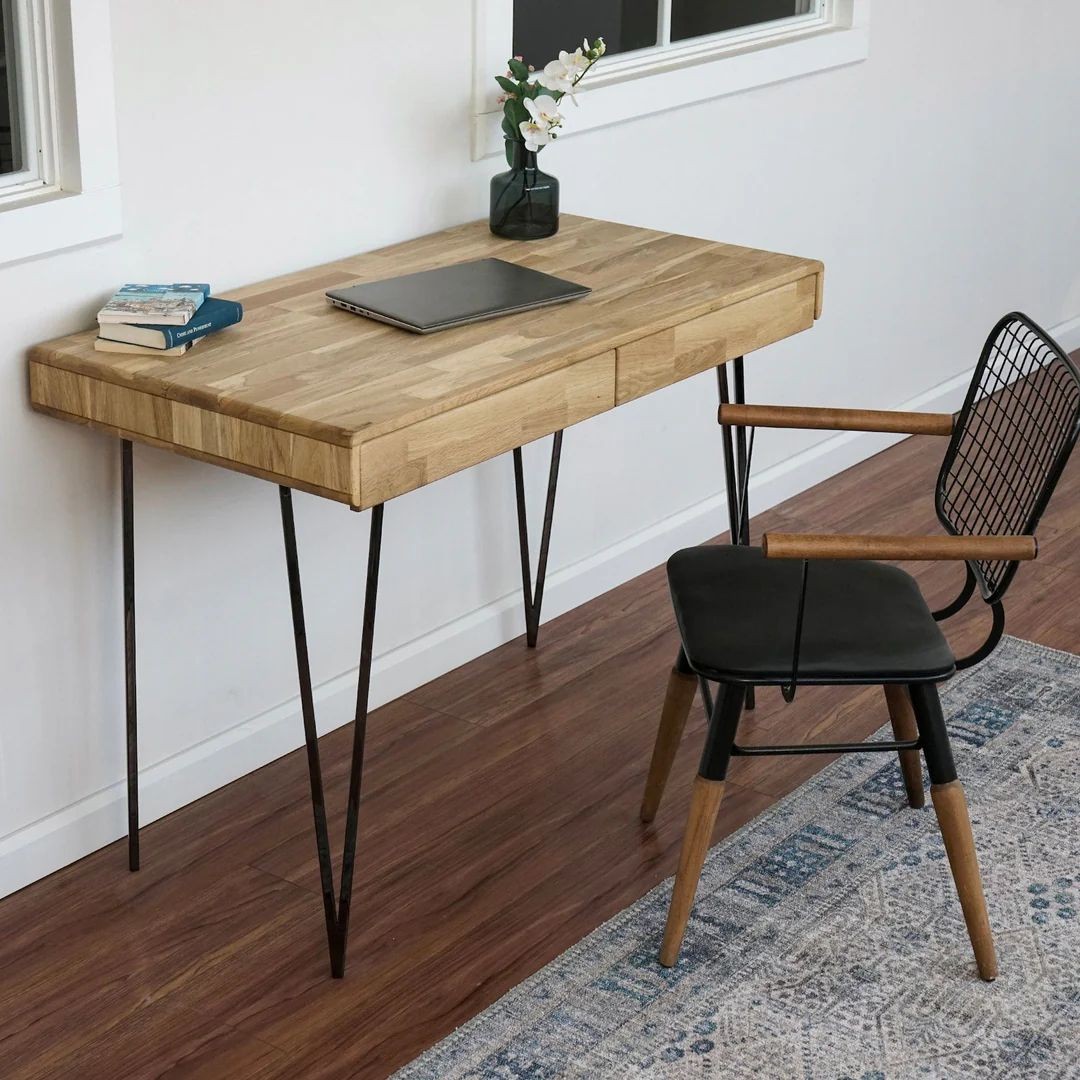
524, 200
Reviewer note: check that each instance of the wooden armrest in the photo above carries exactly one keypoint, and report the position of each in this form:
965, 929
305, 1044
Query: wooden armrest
927, 548
785, 416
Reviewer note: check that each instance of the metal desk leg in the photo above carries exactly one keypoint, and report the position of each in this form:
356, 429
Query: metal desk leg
336, 914
132, 720
534, 597
727, 443
743, 482
736, 478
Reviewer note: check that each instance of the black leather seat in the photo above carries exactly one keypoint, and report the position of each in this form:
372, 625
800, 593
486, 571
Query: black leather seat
864, 621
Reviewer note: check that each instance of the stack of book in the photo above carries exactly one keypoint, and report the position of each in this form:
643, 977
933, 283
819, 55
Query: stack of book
162, 320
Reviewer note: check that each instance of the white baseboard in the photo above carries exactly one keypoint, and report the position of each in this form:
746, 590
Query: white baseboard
55, 841
1067, 334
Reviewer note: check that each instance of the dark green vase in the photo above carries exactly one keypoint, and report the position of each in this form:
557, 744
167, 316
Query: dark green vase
524, 200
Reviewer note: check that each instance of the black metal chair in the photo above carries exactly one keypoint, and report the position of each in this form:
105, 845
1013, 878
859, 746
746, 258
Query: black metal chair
754, 617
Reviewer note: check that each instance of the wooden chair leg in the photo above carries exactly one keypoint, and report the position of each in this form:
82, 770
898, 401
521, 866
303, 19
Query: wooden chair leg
704, 807
952, 814
904, 728
680, 696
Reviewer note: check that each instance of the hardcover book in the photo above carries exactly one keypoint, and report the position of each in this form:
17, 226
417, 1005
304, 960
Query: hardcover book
168, 305
105, 345
214, 315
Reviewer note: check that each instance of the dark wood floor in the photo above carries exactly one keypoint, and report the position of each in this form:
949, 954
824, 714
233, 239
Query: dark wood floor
499, 826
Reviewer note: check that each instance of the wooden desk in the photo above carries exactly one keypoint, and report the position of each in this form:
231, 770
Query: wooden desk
317, 399
312, 397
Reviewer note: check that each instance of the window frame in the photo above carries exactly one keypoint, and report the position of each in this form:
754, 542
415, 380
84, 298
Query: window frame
68, 192
671, 74
33, 121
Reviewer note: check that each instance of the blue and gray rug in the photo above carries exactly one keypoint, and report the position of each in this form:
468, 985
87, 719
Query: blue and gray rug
827, 940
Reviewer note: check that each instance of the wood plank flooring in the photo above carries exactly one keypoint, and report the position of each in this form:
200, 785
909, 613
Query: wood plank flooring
499, 825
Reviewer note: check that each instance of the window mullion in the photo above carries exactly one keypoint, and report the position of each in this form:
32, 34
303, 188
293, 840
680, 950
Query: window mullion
27, 126
663, 29
46, 120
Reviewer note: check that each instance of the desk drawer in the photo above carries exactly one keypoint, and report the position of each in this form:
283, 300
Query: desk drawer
684, 350
431, 449
278, 456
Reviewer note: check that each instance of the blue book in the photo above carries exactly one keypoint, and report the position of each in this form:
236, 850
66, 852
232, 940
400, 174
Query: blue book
213, 315
161, 305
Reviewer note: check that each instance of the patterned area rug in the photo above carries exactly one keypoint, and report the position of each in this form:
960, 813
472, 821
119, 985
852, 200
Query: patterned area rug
827, 940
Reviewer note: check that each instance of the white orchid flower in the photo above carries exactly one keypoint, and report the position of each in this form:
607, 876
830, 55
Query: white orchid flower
544, 110
555, 77
575, 64
535, 133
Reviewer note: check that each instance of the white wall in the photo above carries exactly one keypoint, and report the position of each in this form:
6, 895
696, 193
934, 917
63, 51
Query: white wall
936, 181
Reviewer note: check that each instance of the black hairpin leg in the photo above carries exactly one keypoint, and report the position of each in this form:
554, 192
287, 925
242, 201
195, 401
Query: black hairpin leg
736, 457
132, 721
534, 595
728, 446
336, 913
742, 457
736, 478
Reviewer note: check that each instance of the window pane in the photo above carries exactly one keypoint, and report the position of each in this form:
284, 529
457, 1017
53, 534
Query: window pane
10, 143
694, 18
541, 30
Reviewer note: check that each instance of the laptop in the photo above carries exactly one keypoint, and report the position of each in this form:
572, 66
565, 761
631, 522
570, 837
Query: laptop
468, 292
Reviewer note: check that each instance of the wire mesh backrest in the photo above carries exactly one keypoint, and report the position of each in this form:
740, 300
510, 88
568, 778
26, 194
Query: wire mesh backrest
1012, 439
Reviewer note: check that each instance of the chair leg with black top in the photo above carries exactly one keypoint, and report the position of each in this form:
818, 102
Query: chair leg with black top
705, 802
905, 730
681, 689
950, 805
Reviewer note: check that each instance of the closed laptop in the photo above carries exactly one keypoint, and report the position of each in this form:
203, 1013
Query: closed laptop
455, 295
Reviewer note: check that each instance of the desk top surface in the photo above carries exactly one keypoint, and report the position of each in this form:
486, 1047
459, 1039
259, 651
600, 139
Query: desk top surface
301, 366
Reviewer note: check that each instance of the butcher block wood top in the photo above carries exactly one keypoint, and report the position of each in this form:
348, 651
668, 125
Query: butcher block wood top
304, 394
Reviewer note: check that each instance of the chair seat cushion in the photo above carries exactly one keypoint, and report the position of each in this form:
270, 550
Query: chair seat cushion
865, 622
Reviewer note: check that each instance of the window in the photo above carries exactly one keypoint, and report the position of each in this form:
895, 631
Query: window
541, 30
28, 157
10, 128
662, 53
58, 162
696, 18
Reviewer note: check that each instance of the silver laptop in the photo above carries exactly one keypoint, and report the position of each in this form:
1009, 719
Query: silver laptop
469, 292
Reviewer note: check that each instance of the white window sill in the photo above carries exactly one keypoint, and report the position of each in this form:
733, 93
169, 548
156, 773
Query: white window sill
635, 95
64, 220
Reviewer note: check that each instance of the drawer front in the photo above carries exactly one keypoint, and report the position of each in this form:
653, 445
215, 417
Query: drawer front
431, 449
284, 458
705, 342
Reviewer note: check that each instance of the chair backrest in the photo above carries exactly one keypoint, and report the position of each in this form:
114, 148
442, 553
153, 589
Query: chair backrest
1012, 438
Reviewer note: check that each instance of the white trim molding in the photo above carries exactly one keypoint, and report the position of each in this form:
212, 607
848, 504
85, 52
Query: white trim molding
75, 195
1067, 334
672, 75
